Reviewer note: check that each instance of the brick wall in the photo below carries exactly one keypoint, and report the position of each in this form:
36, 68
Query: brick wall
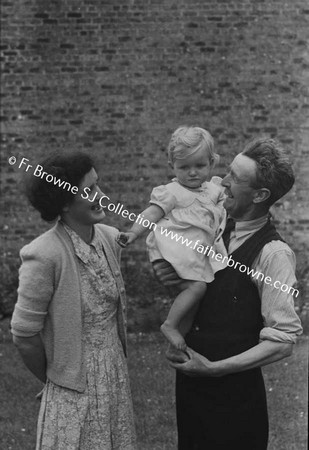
116, 77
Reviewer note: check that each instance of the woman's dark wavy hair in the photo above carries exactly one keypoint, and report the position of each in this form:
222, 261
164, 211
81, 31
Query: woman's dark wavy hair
274, 169
49, 199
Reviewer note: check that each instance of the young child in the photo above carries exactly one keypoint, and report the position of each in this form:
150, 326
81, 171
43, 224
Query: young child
190, 208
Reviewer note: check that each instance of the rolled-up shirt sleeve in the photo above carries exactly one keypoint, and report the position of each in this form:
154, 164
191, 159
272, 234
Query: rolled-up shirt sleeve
281, 322
36, 286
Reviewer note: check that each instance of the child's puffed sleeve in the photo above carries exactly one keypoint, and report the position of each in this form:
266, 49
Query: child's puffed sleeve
35, 291
164, 198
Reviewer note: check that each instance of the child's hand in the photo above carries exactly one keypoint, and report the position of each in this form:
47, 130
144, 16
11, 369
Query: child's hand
124, 239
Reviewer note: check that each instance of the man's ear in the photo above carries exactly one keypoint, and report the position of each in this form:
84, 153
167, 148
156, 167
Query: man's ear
261, 195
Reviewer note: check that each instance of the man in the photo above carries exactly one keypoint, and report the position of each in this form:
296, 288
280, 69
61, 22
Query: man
244, 322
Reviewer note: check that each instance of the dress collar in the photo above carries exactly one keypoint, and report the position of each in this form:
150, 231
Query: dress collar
83, 250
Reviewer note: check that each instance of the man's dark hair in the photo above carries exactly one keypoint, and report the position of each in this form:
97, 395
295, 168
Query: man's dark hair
274, 169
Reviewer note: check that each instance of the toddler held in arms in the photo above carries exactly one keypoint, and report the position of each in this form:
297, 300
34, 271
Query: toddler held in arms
190, 209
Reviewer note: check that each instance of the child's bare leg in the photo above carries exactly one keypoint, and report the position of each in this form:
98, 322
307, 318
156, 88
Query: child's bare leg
180, 316
187, 321
185, 325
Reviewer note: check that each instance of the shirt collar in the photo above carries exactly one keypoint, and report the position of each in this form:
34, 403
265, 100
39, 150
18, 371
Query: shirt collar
249, 226
83, 250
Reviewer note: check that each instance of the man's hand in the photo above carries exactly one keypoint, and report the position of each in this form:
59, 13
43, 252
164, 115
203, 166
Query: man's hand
165, 273
196, 366
176, 356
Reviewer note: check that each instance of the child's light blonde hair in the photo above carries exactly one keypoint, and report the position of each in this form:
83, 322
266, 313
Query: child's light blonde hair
187, 140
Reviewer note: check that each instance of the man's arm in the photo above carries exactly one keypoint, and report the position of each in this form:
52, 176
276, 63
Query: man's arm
266, 352
281, 322
32, 352
262, 354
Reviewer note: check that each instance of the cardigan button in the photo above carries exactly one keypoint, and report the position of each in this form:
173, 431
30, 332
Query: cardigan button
197, 328
117, 273
122, 290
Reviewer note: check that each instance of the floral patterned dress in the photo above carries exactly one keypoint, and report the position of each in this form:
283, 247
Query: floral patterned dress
100, 418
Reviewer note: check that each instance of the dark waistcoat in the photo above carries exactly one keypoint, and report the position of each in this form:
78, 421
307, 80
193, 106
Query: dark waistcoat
219, 413
229, 318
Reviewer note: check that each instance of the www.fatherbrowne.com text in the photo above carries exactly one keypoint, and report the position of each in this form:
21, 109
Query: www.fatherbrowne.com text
119, 209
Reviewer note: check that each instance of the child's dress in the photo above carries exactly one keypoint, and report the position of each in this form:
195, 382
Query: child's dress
194, 219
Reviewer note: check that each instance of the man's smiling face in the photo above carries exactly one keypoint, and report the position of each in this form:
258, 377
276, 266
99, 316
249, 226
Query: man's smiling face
240, 193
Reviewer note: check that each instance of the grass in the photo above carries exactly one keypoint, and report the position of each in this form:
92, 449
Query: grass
153, 393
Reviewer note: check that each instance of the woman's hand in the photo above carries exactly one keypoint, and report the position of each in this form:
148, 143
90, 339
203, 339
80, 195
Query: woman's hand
165, 273
196, 365
32, 352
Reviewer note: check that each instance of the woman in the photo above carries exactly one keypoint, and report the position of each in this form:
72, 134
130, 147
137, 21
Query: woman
69, 320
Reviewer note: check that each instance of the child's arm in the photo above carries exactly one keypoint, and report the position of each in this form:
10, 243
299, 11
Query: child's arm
153, 214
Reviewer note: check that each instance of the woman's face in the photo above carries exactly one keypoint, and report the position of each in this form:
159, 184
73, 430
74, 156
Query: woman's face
82, 211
